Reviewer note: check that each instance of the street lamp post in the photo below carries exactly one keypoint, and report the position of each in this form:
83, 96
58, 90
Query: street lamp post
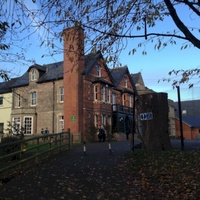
180, 118
133, 132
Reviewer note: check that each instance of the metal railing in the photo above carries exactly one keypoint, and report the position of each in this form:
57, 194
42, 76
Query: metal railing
32, 149
121, 108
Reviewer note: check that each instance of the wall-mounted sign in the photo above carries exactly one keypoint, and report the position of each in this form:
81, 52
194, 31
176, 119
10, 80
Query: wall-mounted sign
146, 116
73, 118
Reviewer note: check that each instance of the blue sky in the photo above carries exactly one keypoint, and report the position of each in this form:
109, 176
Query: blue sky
154, 66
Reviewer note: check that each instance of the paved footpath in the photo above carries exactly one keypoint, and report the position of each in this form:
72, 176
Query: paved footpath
71, 175
74, 175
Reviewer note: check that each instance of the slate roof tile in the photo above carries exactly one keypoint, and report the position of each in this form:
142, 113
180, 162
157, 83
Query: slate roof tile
192, 121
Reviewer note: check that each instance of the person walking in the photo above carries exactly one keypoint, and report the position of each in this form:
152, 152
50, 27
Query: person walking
103, 132
42, 132
99, 133
46, 133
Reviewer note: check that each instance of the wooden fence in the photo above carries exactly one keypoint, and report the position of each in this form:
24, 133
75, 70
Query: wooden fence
34, 149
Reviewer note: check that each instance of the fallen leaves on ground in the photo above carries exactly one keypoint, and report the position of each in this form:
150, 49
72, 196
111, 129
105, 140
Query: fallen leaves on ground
137, 175
166, 174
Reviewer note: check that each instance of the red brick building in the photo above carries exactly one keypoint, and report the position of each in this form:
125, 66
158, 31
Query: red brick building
190, 119
79, 93
91, 89
190, 127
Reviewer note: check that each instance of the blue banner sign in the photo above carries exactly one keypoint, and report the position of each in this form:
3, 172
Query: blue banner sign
146, 116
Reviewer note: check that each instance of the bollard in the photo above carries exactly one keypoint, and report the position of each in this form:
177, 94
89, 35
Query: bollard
84, 148
109, 146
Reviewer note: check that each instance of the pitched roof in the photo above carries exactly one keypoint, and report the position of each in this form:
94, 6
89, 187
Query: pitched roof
90, 60
50, 72
192, 121
54, 71
6, 86
22, 80
137, 78
38, 67
139, 84
191, 107
118, 74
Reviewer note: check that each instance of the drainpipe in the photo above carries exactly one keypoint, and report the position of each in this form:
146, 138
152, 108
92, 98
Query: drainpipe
53, 107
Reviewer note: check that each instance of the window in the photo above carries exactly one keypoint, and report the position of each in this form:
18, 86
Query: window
96, 120
16, 123
114, 102
109, 120
61, 123
98, 70
1, 128
102, 93
33, 74
33, 98
103, 119
18, 101
1, 101
107, 94
28, 125
61, 89
95, 93
130, 100
124, 100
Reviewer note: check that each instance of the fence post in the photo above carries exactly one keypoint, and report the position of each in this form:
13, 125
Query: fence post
109, 146
37, 151
49, 140
60, 134
69, 138
21, 153
84, 148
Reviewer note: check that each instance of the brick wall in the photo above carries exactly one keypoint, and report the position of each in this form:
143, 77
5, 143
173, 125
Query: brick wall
73, 64
188, 132
48, 106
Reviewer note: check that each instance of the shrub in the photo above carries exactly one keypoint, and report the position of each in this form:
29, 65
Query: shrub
93, 133
10, 148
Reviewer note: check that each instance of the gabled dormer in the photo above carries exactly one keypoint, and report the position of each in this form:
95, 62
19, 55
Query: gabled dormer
98, 77
122, 79
96, 69
124, 85
35, 72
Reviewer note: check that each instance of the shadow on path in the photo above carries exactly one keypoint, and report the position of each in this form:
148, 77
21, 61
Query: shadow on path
74, 175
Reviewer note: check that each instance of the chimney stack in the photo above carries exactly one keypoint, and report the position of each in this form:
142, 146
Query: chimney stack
73, 80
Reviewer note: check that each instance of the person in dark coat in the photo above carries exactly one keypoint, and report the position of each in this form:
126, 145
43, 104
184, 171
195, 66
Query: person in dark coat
42, 132
103, 133
99, 133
